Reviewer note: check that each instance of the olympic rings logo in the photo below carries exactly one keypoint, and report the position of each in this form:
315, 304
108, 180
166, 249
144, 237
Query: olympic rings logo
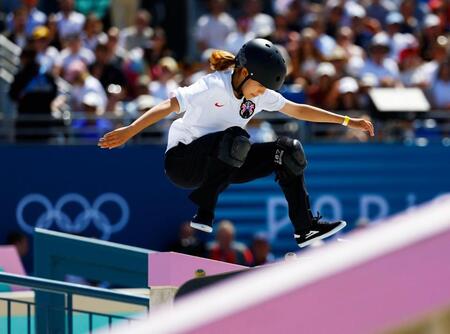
89, 214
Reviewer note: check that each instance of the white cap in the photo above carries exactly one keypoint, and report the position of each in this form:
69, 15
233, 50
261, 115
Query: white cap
355, 10
380, 39
146, 102
354, 65
325, 69
92, 99
348, 85
431, 20
369, 80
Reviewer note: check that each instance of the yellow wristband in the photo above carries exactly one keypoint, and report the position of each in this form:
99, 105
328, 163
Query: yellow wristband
346, 120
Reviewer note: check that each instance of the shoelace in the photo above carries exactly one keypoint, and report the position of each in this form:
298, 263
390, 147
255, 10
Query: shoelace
317, 218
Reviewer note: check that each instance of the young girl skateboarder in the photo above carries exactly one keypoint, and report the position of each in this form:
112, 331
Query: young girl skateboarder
208, 148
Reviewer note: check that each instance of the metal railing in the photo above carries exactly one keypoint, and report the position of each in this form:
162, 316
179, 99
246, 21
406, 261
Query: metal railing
81, 128
69, 290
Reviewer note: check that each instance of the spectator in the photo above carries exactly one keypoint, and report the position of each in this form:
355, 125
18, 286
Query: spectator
260, 24
261, 250
117, 53
226, 249
137, 36
347, 94
33, 17
83, 83
105, 70
68, 21
384, 68
339, 59
363, 27
345, 39
292, 11
334, 19
34, 91
379, 9
92, 32
431, 31
426, 73
203, 69
367, 82
319, 91
86, 121
155, 49
308, 55
409, 64
324, 43
188, 243
213, 28
53, 32
413, 13
46, 54
281, 31
440, 88
398, 40
73, 52
442, 10
236, 39
166, 82
17, 33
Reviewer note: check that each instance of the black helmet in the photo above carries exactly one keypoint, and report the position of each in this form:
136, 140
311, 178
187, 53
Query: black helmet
263, 61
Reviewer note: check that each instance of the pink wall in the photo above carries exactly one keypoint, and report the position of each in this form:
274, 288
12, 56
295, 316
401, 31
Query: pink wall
173, 269
370, 297
11, 263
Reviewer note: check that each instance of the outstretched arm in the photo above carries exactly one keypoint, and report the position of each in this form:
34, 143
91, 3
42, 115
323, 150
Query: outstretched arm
306, 112
120, 136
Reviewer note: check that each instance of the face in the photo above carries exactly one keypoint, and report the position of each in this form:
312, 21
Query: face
225, 237
252, 89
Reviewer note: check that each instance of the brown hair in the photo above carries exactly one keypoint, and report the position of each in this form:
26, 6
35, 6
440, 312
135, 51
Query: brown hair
221, 60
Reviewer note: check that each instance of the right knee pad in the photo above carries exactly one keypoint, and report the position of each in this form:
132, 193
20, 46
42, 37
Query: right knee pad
290, 155
233, 149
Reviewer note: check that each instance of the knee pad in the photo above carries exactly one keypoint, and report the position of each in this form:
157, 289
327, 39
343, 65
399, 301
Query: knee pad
234, 147
290, 156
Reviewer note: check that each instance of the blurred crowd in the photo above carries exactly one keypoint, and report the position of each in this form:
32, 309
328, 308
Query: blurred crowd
225, 247
117, 58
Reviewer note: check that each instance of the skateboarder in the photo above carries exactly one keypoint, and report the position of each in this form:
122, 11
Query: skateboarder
209, 148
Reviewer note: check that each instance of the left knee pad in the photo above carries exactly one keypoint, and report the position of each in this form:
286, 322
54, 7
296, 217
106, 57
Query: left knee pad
233, 149
290, 155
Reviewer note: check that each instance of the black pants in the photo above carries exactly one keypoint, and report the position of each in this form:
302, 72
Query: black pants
196, 166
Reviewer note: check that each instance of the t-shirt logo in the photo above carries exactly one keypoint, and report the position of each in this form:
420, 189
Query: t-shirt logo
247, 109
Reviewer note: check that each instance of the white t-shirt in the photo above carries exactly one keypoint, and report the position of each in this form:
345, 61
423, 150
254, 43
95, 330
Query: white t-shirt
77, 93
209, 105
69, 25
66, 57
440, 92
388, 69
262, 25
214, 30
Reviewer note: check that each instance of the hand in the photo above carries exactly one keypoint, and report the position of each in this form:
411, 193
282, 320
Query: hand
115, 138
361, 124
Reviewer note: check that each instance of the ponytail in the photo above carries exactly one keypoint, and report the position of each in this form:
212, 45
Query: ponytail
221, 60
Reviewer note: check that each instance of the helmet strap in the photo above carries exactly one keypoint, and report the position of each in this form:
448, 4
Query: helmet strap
238, 89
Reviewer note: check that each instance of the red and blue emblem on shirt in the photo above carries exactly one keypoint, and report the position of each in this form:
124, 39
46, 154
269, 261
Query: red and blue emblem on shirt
247, 109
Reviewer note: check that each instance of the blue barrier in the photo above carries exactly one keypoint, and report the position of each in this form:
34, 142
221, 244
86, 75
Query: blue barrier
119, 195
84, 190
59, 254
68, 290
